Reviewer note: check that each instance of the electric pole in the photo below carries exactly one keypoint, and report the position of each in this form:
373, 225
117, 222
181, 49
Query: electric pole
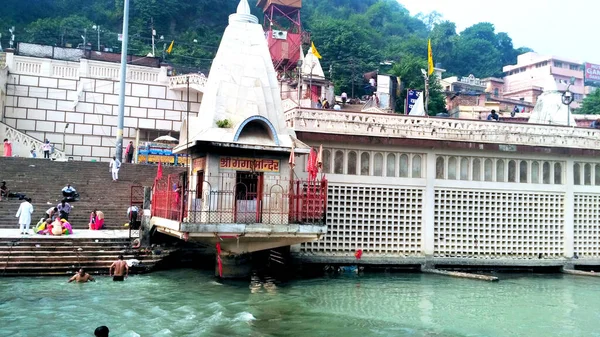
123, 82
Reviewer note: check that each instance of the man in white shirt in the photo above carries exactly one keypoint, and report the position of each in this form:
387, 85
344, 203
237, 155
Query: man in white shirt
46, 147
24, 215
344, 98
114, 166
69, 191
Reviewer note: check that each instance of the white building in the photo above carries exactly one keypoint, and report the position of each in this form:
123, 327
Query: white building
77, 103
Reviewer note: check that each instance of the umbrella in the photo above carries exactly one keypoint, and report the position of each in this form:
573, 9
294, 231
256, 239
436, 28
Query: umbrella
166, 139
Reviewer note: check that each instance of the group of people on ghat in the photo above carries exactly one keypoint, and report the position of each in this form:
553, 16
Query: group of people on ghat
56, 219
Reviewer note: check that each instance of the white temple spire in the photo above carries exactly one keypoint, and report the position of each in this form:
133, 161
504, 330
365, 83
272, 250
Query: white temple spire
243, 7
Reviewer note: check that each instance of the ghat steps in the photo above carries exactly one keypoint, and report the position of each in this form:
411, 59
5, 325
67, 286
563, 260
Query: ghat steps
42, 180
30, 256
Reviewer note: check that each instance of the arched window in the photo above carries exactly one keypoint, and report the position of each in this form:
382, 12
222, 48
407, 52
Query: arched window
404, 166
338, 165
577, 174
364, 164
416, 166
558, 173
391, 165
587, 174
488, 170
546, 172
352, 162
476, 169
439, 167
535, 172
597, 175
512, 171
464, 169
326, 161
500, 176
523, 169
378, 165
452, 168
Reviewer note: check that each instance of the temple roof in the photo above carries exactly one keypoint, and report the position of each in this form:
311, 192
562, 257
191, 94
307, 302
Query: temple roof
241, 103
312, 62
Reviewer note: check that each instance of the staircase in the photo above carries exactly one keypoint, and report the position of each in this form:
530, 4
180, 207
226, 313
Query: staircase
38, 256
42, 180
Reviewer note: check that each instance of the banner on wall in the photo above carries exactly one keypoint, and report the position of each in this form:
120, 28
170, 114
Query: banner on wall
412, 96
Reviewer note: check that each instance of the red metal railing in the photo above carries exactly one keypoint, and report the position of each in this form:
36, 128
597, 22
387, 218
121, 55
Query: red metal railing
242, 198
167, 198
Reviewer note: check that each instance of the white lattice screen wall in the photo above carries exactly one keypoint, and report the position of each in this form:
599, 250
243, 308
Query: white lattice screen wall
586, 225
514, 225
379, 220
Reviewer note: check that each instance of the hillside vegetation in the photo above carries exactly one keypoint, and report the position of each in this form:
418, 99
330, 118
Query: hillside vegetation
353, 36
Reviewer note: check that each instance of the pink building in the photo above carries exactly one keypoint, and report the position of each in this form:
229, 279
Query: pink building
535, 73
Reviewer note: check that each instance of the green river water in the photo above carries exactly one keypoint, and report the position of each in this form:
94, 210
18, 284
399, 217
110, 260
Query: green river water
192, 303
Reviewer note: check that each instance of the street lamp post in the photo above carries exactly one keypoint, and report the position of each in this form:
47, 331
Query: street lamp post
567, 99
98, 29
299, 81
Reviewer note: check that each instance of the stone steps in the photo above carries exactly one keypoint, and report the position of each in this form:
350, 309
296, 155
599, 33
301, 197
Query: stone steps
42, 180
60, 256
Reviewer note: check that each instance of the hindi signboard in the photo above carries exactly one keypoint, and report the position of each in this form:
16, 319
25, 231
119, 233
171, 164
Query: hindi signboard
411, 98
592, 74
249, 164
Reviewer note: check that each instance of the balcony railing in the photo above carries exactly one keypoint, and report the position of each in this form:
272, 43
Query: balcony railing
444, 129
197, 82
222, 200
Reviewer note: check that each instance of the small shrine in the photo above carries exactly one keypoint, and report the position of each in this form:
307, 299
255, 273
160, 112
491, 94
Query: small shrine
240, 191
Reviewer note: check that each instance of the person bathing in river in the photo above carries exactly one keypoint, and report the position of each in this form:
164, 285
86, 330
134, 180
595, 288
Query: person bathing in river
121, 269
81, 277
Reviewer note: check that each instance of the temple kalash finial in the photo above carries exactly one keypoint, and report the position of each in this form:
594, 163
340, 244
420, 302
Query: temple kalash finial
243, 7
243, 14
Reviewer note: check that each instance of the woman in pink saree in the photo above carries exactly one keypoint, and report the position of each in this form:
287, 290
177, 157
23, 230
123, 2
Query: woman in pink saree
96, 220
7, 148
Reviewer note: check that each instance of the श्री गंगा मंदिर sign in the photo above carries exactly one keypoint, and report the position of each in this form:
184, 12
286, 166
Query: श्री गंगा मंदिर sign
249, 164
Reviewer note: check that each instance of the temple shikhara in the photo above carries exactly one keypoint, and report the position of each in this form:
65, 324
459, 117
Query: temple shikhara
266, 167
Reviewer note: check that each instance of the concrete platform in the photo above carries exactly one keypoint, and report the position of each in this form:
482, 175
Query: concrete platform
77, 234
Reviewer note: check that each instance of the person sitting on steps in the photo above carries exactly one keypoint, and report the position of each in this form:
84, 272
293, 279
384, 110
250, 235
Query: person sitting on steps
4, 191
70, 193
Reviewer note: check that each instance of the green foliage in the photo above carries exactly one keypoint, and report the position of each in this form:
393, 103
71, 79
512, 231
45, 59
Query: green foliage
224, 123
409, 71
591, 104
353, 36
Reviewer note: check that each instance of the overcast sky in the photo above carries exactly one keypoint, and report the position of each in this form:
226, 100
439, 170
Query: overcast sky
551, 27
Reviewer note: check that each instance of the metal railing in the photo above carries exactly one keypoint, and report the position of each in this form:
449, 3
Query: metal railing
227, 199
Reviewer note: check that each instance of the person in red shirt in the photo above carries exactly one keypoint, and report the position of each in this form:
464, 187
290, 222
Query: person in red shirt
129, 152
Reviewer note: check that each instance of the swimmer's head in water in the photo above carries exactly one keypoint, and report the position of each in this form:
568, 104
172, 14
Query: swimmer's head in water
81, 272
101, 331
120, 257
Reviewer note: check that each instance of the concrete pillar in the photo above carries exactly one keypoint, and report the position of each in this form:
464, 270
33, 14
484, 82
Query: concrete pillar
137, 146
569, 208
147, 197
234, 266
429, 205
145, 229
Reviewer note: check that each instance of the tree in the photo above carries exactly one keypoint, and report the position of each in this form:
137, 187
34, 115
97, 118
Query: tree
409, 71
443, 42
591, 104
